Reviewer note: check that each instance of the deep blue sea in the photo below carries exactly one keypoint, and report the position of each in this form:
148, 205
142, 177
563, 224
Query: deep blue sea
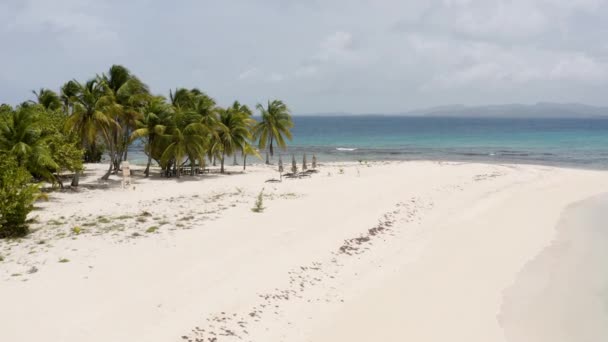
567, 142
570, 142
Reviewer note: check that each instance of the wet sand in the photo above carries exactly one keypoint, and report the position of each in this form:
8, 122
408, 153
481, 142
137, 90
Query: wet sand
562, 295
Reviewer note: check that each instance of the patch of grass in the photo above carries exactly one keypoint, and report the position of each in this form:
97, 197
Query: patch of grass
32, 270
16, 275
136, 234
187, 218
145, 213
77, 230
123, 217
41, 242
180, 225
141, 219
89, 224
1, 258
103, 219
259, 203
152, 229
163, 222
64, 260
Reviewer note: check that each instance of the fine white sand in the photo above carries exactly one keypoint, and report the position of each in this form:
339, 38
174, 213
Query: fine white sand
400, 251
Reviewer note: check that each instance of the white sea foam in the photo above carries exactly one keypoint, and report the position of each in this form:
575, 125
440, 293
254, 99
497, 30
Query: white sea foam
346, 149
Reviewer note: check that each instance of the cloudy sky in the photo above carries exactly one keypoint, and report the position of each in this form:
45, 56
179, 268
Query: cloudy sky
318, 55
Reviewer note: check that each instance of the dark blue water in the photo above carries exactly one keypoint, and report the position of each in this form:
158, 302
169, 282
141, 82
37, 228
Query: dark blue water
572, 142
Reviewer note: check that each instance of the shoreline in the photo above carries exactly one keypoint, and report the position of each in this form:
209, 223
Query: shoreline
563, 286
354, 252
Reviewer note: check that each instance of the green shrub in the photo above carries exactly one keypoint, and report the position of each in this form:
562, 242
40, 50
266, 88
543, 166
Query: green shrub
152, 229
17, 197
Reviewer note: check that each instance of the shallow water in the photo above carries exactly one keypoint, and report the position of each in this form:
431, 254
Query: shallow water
562, 295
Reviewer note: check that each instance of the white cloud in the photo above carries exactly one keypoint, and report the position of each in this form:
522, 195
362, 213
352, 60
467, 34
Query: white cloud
250, 73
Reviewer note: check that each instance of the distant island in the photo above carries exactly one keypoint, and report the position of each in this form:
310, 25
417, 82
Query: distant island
539, 110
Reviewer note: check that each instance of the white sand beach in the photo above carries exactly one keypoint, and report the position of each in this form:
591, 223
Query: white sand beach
384, 251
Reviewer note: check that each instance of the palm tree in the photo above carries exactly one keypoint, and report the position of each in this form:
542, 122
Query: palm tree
249, 150
127, 95
275, 125
151, 126
234, 132
88, 118
186, 140
68, 92
22, 137
47, 99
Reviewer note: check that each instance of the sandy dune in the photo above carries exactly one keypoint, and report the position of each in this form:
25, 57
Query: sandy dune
385, 251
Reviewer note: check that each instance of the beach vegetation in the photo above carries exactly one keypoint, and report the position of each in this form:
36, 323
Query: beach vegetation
64, 260
76, 230
274, 127
17, 197
259, 203
152, 229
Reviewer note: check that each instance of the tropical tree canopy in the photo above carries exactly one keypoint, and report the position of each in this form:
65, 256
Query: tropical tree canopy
274, 127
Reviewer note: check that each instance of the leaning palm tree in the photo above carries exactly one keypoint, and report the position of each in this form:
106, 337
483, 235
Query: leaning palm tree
126, 96
151, 126
89, 119
275, 125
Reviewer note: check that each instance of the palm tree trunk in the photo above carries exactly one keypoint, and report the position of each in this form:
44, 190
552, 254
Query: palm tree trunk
147, 171
271, 149
244, 162
235, 161
222, 166
75, 178
107, 175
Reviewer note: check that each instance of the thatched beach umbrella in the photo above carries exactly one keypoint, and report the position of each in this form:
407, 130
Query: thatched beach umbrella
294, 166
314, 161
304, 166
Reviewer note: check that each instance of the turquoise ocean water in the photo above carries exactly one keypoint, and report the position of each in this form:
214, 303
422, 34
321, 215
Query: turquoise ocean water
569, 142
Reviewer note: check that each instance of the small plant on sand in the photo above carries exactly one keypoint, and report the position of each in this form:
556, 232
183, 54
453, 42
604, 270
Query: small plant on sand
141, 219
136, 234
145, 213
64, 260
1, 257
77, 230
341, 171
123, 217
32, 270
103, 219
152, 229
259, 203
